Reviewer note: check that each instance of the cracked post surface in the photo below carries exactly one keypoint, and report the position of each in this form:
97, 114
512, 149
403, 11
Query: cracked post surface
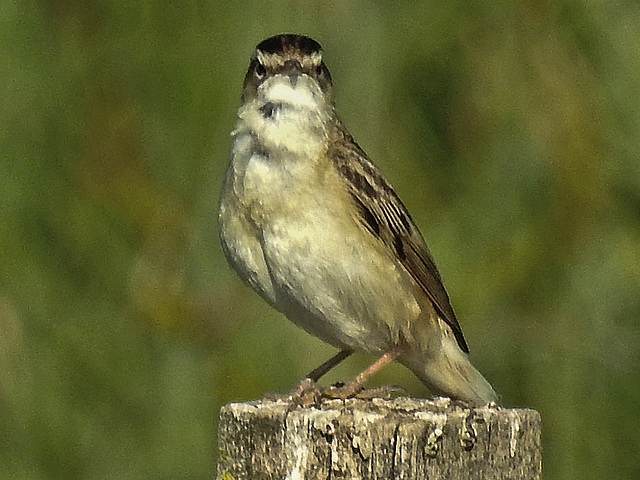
403, 438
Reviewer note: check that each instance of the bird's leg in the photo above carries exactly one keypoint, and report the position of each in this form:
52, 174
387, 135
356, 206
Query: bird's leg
306, 391
309, 393
355, 386
320, 371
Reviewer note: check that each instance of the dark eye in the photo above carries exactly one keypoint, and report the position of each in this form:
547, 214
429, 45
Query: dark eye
260, 71
319, 71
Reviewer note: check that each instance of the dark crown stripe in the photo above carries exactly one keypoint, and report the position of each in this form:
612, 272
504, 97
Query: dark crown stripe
281, 43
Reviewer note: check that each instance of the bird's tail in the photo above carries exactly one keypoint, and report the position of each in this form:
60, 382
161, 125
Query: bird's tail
449, 372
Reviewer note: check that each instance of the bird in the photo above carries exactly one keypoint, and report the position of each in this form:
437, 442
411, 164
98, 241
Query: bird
313, 225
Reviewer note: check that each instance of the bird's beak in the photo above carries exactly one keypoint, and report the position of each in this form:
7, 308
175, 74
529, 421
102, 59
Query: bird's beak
293, 70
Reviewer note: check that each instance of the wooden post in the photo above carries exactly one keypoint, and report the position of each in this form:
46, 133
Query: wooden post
404, 438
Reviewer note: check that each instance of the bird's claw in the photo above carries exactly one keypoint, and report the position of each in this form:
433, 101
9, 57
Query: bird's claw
308, 393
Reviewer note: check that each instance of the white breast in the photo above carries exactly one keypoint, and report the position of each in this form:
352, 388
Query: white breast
289, 230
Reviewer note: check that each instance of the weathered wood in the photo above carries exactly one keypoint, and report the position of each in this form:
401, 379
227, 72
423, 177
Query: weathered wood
404, 438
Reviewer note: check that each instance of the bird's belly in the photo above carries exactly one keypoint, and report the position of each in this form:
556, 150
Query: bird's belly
305, 252
331, 277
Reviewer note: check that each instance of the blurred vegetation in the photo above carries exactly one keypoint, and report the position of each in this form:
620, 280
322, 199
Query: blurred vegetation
510, 129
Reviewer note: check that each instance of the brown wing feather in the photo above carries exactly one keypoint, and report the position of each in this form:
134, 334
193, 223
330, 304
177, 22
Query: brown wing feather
386, 217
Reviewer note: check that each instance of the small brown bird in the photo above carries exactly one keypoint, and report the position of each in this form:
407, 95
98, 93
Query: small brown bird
316, 229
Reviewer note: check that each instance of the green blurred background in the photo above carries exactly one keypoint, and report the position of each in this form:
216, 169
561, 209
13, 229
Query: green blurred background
511, 129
